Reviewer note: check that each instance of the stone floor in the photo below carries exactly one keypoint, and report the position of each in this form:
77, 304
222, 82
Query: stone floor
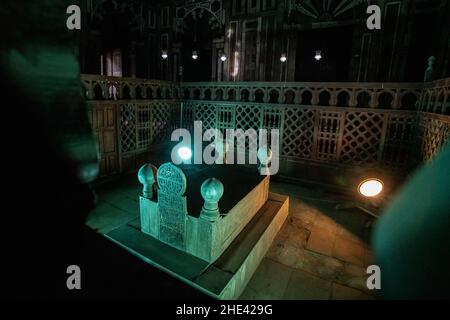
320, 252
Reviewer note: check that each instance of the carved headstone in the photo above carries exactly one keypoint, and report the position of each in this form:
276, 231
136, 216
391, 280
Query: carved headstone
172, 205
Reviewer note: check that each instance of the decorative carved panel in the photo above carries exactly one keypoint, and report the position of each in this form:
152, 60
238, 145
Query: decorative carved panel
104, 125
172, 209
328, 131
435, 134
128, 127
362, 137
298, 132
400, 140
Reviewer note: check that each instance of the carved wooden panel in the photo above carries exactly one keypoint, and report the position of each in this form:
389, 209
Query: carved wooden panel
400, 141
143, 126
247, 117
104, 125
128, 127
328, 132
187, 120
161, 122
226, 117
207, 114
435, 134
298, 135
390, 133
362, 137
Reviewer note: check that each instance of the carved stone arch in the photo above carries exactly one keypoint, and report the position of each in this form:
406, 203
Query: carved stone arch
386, 99
405, 92
289, 96
323, 100
408, 99
343, 98
363, 98
244, 94
230, 94
97, 10
275, 98
214, 8
199, 93
258, 95
306, 96
98, 92
207, 94
219, 93
326, 10
87, 90
139, 92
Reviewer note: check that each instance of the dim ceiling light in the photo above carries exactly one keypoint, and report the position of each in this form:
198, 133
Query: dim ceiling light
194, 55
164, 55
318, 55
283, 57
370, 187
185, 153
223, 57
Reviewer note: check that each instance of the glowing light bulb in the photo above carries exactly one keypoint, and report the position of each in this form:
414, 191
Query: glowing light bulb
164, 55
318, 55
223, 57
370, 187
283, 58
194, 55
185, 153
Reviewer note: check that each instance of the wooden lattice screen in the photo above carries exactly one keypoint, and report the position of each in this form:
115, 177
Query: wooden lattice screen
352, 124
126, 129
435, 133
346, 135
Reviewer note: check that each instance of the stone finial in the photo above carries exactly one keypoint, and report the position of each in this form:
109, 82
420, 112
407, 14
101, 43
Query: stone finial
429, 72
146, 177
212, 191
264, 157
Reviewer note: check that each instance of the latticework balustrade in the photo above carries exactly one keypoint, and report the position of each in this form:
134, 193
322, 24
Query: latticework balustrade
350, 124
346, 135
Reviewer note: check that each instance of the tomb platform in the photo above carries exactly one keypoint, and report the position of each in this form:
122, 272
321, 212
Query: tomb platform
209, 229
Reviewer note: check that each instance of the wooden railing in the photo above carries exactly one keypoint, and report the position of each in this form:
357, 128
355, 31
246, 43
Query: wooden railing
363, 95
391, 125
115, 88
126, 131
352, 136
436, 97
433, 97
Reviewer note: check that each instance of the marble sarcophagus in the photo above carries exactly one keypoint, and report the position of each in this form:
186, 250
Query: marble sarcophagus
210, 228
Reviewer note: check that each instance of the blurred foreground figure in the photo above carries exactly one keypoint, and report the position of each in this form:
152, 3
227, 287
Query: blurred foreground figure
412, 239
49, 156
49, 152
